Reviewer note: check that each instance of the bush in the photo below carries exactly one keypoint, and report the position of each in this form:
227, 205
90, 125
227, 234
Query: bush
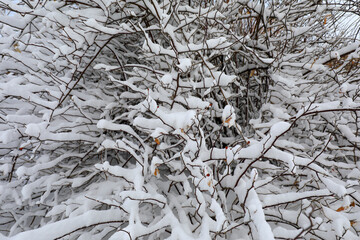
149, 119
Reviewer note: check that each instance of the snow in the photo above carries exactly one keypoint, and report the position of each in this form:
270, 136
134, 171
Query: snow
181, 119
336, 188
5, 169
355, 173
320, 107
278, 112
155, 48
155, 199
152, 141
65, 50
256, 149
94, 24
166, 120
228, 116
277, 199
213, 43
335, 55
217, 43
105, 124
283, 233
43, 163
253, 151
339, 222
349, 103
77, 182
105, 67
229, 155
35, 129
68, 225
320, 8
166, 79
185, 64
130, 175
300, 30
149, 105
158, 132
56, 210
346, 131
28, 189
8, 136
255, 213
155, 163
279, 128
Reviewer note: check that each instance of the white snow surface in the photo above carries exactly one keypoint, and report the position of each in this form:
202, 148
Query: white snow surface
276, 199
185, 64
68, 225
255, 213
339, 221
166, 79
334, 187
175, 119
228, 116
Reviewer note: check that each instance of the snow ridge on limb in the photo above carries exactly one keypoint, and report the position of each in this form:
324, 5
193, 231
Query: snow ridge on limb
62, 228
252, 206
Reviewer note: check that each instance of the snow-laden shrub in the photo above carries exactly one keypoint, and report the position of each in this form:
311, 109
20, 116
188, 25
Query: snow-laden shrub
177, 120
